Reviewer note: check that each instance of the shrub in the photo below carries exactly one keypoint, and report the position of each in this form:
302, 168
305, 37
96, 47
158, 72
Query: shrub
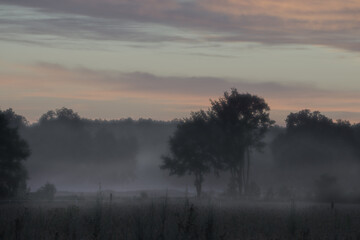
47, 191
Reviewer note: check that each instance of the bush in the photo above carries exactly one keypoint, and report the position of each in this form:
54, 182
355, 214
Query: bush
47, 192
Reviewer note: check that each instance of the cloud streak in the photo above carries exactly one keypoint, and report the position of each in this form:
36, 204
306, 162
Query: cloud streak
174, 96
333, 23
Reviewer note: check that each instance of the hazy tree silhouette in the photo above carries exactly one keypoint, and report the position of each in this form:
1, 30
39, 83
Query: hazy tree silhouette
356, 129
313, 142
62, 114
47, 191
13, 151
189, 149
241, 121
312, 138
64, 140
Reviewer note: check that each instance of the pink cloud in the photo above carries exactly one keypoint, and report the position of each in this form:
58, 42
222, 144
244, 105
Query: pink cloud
334, 23
172, 94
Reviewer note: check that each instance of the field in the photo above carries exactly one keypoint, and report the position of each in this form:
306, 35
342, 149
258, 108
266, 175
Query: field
177, 218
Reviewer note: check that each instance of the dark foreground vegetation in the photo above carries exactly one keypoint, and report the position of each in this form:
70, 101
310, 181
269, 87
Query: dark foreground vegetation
169, 218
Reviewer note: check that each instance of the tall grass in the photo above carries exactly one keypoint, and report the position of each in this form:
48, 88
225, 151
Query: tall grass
179, 219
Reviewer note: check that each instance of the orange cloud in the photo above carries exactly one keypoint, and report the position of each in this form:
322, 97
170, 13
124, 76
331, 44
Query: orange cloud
314, 14
173, 95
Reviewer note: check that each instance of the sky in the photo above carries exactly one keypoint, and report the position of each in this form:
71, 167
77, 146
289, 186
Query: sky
162, 59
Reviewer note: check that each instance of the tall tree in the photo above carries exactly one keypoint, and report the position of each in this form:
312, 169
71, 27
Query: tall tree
189, 149
13, 151
241, 121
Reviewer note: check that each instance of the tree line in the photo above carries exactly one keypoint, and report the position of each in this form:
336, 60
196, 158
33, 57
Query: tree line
223, 139
62, 144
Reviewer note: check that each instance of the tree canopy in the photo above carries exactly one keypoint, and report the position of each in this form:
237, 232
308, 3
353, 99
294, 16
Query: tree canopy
190, 150
13, 151
220, 138
242, 121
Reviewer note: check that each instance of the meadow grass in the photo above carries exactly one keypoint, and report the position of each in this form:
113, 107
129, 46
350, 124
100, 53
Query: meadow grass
179, 219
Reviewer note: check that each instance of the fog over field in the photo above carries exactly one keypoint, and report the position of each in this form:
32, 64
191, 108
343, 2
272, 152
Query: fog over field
78, 154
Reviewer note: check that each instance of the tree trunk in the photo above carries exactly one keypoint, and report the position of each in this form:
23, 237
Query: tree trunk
240, 180
247, 182
232, 185
198, 183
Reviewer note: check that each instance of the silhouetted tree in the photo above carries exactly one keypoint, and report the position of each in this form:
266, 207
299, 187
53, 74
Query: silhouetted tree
62, 114
15, 120
307, 120
189, 149
312, 142
13, 151
240, 122
47, 191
